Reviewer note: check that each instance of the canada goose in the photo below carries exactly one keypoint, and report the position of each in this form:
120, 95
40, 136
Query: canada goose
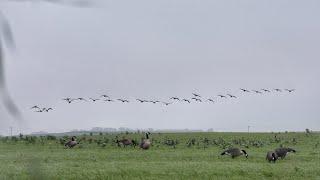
196, 95
94, 100
175, 98
125, 142
35, 107
265, 90
278, 90
145, 143
71, 143
141, 101
290, 90
234, 152
47, 109
105, 96
69, 100
231, 96
258, 92
81, 99
123, 100
108, 100
272, 156
166, 103
154, 102
186, 100
196, 99
244, 90
282, 152
222, 96
210, 100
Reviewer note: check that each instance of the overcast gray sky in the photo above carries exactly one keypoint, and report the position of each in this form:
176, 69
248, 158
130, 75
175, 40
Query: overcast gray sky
159, 49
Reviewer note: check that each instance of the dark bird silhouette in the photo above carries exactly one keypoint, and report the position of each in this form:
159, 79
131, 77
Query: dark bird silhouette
108, 100
145, 143
35, 107
123, 100
69, 100
154, 102
186, 100
290, 90
141, 101
166, 103
47, 109
72, 143
81, 99
265, 90
175, 98
210, 100
105, 96
196, 95
258, 92
244, 90
282, 152
222, 96
94, 100
196, 99
278, 90
272, 156
231, 96
234, 152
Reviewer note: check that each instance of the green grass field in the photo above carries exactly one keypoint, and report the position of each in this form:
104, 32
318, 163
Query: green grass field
172, 156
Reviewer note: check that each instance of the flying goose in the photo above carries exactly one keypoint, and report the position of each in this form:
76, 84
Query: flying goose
231, 96
105, 96
35, 107
222, 96
210, 100
69, 100
141, 101
196, 99
265, 90
278, 90
290, 90
166, 103
175, 98
258, 92
244, 90
234, 152
196, 95
94, 100
186, 100
123, 100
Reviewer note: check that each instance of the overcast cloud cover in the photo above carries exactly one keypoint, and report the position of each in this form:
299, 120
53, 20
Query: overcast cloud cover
159, 49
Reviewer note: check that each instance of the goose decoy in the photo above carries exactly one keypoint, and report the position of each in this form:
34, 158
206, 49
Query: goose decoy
244, 90
282, 152
94, 100
278, 90
234, 152
272, 156
196, 95
265, 90
196, 99
231, 96
72, 143
290, 90
222, 96
145, 143
186, 100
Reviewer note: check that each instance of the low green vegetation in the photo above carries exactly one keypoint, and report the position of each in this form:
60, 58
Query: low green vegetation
172, 156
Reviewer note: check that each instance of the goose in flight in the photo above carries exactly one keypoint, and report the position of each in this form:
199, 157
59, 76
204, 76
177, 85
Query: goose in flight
231, 96
196, 95
123, 100
105, 96
290, 90
197, 99
175, 98
210, 100
244, 90
166, 103
278, 90
94, 100
35, 107
69, 100
265, 90
186, 100
141, 101
222, 96
258, 92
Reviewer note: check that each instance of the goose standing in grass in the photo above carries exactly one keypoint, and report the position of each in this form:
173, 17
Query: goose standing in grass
282, 152
145, 143
272, 156
72, 143
234, 152
125, 142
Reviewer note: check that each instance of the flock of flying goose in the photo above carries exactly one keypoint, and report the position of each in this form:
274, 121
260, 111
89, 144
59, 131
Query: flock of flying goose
145, 144
195, 98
